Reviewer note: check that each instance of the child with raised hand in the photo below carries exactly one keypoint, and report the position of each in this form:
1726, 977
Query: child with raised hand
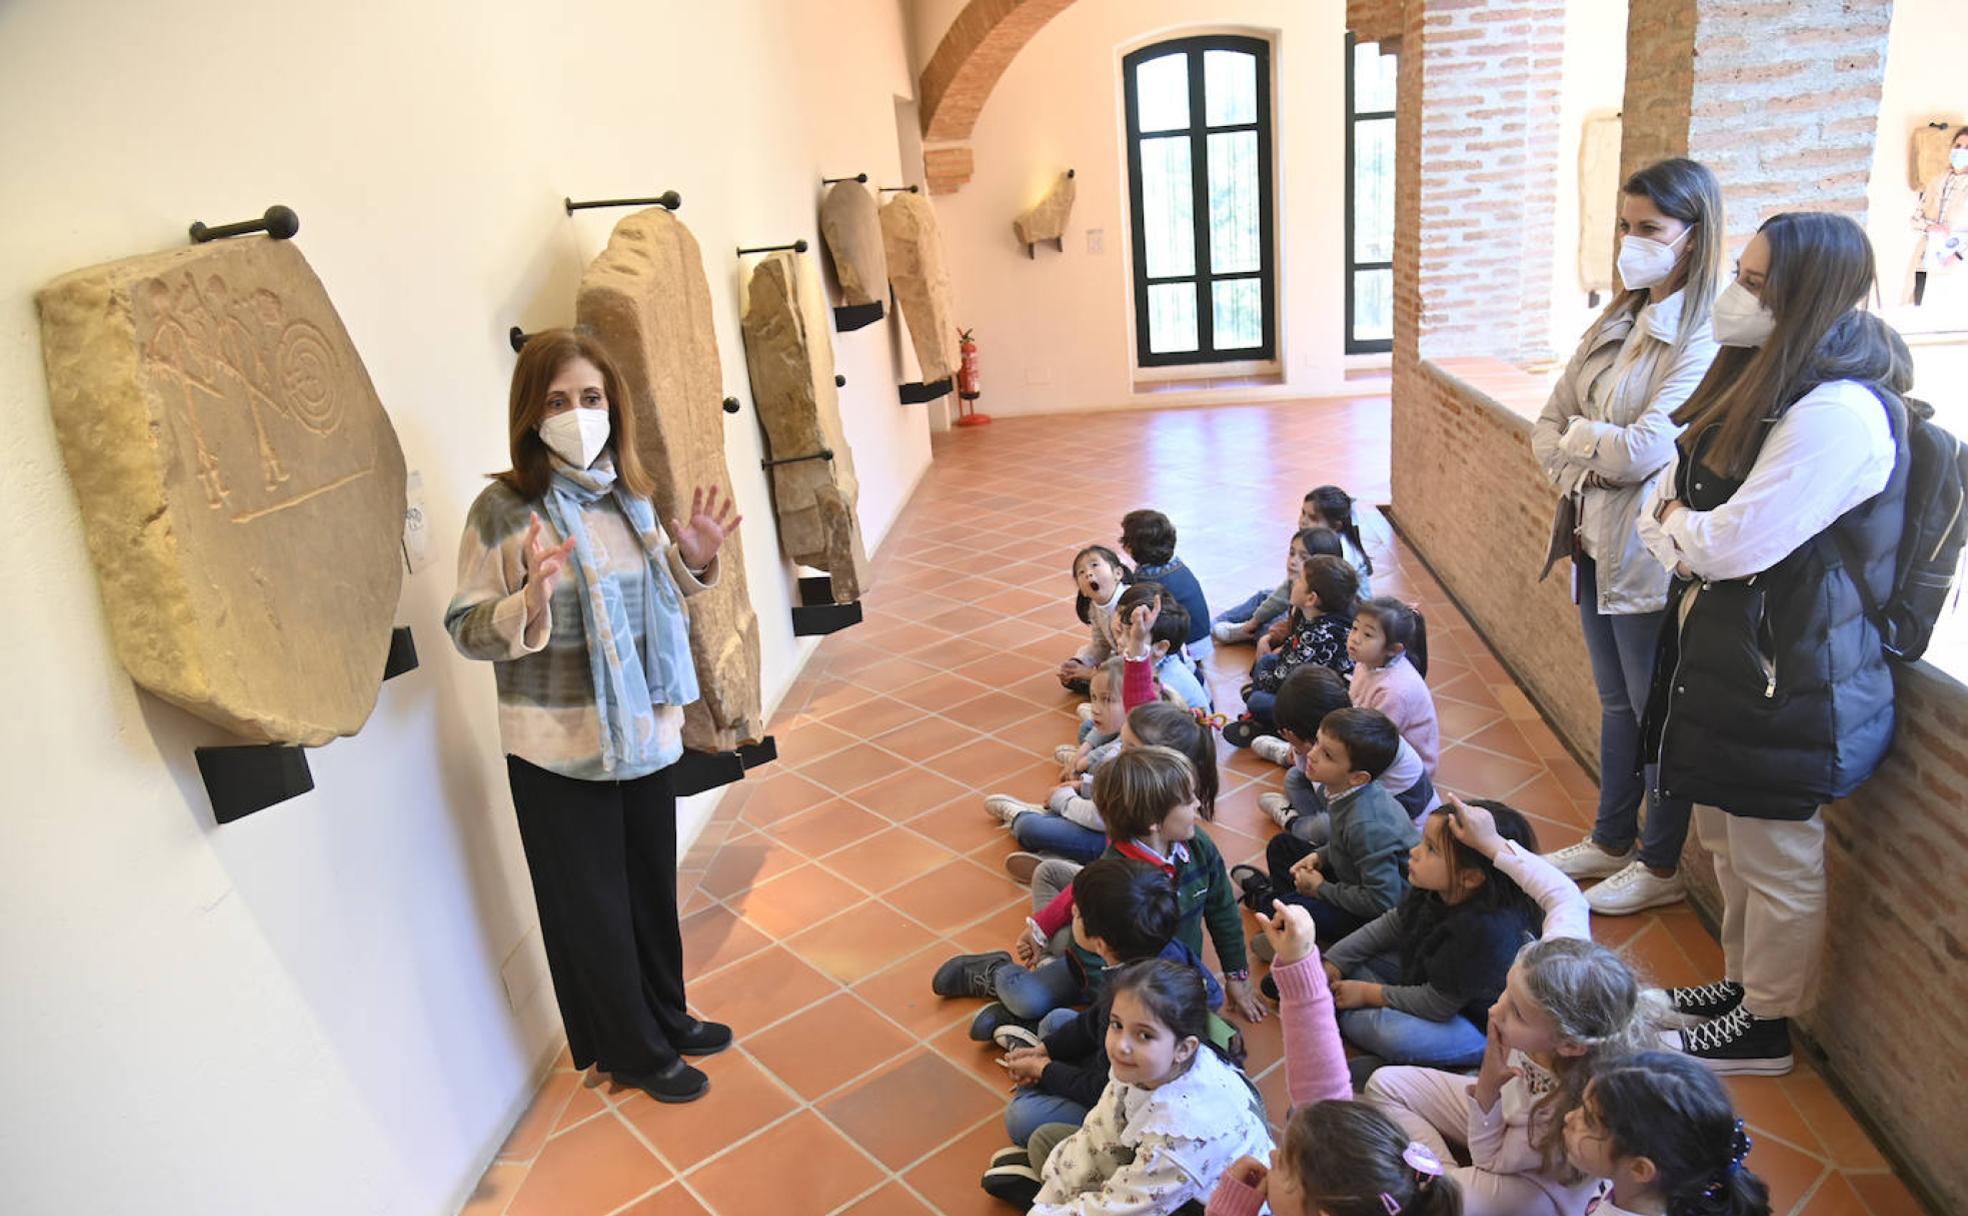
1167, 628
1308, 695
1324, 596
1361, 871
1659, 1128
1415, 986
1098, 576
1389, 649
1569, 1008
1173, 1117
1149, 538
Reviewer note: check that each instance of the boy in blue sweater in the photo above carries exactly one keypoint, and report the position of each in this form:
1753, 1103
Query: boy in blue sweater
1149, 538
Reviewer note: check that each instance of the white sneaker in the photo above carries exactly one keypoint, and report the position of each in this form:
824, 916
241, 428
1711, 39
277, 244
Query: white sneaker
1086, 711
1231, 632
1278, 807
1587, 860
1004, 808
1274, 749
1065, 753
1634, 889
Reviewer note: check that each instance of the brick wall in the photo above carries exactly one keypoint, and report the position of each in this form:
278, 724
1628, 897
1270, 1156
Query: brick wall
1374, 20
983, 40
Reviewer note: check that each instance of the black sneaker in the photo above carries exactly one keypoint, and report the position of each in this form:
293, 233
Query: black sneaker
1253, 886
1738, 1043
677, 1083
1706, 1000
702, 1039
992, 1018
1017, 1185
1015, 1154
969, 975
1242, 731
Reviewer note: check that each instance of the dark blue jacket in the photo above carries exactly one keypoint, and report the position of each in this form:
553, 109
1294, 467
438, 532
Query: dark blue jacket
1177, 580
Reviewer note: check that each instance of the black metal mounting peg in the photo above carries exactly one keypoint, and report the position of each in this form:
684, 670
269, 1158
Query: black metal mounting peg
899, 189
798, 246
1072, 173
669, 200
731, 405
517, 337
840, 381
859, 177
279, 222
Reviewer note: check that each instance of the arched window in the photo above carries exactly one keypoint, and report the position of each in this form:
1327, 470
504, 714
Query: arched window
1199, 177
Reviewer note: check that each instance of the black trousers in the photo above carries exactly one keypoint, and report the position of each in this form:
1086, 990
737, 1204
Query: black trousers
603, 855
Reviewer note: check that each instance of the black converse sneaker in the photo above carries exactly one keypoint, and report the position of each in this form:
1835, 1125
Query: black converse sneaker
1707, 1000
1738, 1043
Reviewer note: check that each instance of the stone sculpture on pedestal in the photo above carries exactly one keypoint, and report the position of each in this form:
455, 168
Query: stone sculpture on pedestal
1047, 218
922, 284
792, 369
646, 300
850, 224
241, 488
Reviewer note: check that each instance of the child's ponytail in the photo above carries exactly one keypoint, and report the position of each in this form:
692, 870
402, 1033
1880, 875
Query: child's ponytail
1335, 506
1402, 625
1350, 1159
1665, 1107
1160, 724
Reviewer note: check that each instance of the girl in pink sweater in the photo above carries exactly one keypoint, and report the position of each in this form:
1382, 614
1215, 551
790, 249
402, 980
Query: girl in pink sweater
1389, 649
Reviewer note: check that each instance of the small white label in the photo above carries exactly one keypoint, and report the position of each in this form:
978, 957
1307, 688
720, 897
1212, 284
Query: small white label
1096, 240
416, 529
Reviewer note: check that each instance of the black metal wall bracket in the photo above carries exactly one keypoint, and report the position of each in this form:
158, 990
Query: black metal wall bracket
798, 246
402, 653
859, 177
695, 771
765, 751
899, 189
669, 200
517, 337
241, 780
774, 462
817, 613
279, 222
919, 394
850, 317
731, 405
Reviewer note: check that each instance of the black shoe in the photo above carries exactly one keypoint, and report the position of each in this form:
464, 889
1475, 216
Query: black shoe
1017, 1185
969, 975
984, 1027
677, 1083
1739, 1043
1013, 1154
1269, 987
702, 1039
1242, 731
1253, 886
1707, 1000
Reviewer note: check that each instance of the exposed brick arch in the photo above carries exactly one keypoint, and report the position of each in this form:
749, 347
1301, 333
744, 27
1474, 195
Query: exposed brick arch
983, 40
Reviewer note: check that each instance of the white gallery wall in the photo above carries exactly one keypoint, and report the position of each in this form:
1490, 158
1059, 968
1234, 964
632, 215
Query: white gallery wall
311, 1010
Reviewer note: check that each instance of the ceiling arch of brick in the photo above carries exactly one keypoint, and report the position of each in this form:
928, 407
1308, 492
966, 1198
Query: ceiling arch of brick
983, 40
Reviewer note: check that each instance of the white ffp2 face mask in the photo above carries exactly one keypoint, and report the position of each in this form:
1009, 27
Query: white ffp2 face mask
1740, 319
1644, 261
576, 436
1958, 159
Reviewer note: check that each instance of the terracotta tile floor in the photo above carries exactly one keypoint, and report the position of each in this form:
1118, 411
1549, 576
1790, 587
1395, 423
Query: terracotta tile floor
852, 1089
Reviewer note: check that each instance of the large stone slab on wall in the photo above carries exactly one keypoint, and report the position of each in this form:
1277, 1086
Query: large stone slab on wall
850, 224
1046, 219
241, 488
645, 298
921, 282
791, 360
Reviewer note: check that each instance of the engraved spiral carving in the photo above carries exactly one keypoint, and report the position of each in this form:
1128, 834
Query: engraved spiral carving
307, 373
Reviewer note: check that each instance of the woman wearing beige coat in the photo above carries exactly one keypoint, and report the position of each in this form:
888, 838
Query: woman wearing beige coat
1940, 260
1603, 437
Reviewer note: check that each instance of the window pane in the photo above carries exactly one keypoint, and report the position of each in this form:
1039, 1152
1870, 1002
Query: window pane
1171, 317
1237, 313
1373, 78
1162, 92
1229, 87
1373, 305
1167, 206
1373, 190
1233, 202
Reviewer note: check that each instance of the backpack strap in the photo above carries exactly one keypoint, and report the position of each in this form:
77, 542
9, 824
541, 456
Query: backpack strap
1848, 557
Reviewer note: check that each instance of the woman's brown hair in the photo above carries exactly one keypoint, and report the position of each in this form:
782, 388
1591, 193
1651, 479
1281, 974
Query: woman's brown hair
1684, 190
1820, 269
540, 360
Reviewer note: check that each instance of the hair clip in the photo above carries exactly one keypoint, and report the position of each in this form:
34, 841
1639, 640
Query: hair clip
1741, 1146
1422, 1159
1215, 722
1392, 1204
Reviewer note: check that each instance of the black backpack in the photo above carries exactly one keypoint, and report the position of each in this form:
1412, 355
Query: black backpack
1930, 542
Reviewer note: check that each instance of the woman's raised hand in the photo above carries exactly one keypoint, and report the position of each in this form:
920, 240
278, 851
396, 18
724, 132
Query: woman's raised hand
709, 523
544, 563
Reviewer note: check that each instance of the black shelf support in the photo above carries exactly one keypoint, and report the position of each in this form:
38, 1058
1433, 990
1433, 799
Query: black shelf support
849, 317
798, 246
817, 614
774, 462
402, 653
919, 394
695, 771
765, 751
899, 189
669, 200
279, 222
859, 177
241, 780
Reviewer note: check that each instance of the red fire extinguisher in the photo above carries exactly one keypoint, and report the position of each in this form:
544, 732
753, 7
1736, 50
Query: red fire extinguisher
969, 388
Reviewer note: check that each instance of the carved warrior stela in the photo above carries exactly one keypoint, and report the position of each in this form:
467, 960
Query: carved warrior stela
850, 224
922, 284
1047, 218
240, 485
791, 359
646, 300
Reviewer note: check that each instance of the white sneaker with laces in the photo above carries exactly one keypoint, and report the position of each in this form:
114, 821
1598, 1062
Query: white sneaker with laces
1587, 860
1634, 888
1274, 749
1065, 753
1086, 711
1004, 808
1230, 632
1278, 807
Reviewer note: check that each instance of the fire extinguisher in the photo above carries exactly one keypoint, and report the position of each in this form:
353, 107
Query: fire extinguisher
967, 385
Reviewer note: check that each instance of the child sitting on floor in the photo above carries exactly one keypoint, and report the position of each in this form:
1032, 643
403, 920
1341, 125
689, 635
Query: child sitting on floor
1361, 872
1100, 727
1098, 577
1324, 615
1174, 672
1149, 539
1389, 649
1308, 695
1332, 507
1247, 620
1660, 1130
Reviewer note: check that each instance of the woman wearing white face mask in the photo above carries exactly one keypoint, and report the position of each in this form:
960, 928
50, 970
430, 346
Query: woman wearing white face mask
1771, 694
1941, 219
570, 587
1602, 439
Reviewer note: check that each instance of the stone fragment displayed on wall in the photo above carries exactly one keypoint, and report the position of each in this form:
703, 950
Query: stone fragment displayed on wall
645, 298
921, 282
850, 224
791, 361
241, 488
1599, 197
1047, 218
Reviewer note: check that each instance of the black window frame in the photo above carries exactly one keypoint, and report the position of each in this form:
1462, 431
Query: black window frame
1358, 346
1199, 131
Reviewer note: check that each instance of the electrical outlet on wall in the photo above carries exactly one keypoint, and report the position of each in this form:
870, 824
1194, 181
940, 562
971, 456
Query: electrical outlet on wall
1096, 240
